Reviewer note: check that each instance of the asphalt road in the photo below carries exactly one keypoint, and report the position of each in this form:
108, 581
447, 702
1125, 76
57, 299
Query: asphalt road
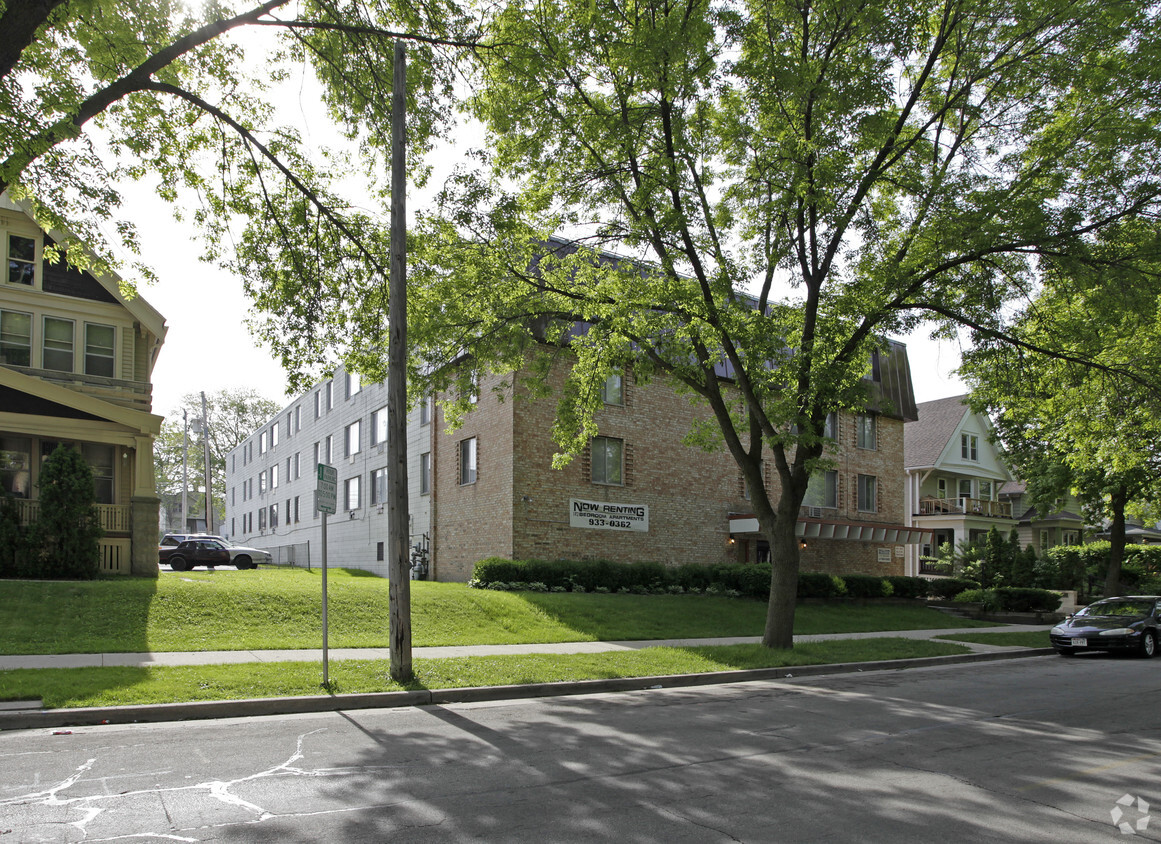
1030, 750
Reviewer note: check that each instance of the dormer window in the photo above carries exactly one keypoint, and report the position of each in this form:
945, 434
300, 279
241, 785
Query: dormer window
21, 260
969, 447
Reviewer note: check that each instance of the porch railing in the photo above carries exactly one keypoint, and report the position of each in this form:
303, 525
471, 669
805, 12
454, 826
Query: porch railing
113, 518
965, 507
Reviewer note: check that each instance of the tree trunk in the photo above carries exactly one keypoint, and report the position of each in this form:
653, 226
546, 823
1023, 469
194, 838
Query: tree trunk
1116, 542
779, 631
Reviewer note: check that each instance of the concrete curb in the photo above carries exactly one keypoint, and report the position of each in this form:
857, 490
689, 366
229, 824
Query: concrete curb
159, 712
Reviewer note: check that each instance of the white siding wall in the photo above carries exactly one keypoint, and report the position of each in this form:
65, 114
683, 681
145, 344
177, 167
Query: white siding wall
352, 536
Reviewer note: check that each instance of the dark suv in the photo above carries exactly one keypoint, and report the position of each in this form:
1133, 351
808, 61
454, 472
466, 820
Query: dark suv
198, 552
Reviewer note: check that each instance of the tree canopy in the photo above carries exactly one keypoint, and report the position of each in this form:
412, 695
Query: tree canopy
233, 416
1087, 417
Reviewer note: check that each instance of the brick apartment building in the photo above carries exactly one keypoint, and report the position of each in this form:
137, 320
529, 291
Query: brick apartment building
489, 489
495, 493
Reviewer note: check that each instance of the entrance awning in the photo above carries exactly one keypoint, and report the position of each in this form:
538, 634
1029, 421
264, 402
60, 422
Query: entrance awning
806, 528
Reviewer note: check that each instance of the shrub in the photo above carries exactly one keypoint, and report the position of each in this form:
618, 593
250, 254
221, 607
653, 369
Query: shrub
820, 585
908, 587
1016, 599
867, 586
946, 588
68, 525
986, 598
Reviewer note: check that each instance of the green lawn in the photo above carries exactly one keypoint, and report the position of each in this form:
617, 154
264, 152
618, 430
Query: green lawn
1017, 639
75, 687
280, 608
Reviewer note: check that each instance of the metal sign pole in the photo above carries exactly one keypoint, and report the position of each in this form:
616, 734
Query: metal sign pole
325, 493
326, 678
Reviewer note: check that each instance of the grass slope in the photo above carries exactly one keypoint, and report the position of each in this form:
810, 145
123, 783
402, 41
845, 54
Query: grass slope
281, 608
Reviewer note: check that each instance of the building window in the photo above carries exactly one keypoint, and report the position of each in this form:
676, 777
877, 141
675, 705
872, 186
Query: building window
316, 456
941, 488
354, 384
262, 483
15, 338
273, 516
296, 509
379, 552
330, 395
379, 486
328, 451
351, 437
425, 404
613, 390
262, 442
468, 461
607, 459
985, 490
425, 473
352, 493
1071, 537
964, 488
298, 418
474, 388
317, 405
297, 466
830, 427
1044, 541
865, 431
262, 519
274, 435
16, 466
274, 476
822, 491
58, 344
379, 426
866, 494
969, 447
21, 260
100, 341
101, 459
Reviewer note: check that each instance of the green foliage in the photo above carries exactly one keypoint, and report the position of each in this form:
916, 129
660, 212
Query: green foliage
1015, 599
946, 588
68, 527
986, 598
746, 580
17, 542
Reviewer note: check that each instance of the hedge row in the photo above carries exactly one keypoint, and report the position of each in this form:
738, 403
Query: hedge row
750, 580
1011, 599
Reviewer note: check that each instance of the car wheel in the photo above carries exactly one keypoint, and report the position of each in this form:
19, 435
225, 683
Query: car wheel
1149, 644
178, 564
243, 562
1065, 651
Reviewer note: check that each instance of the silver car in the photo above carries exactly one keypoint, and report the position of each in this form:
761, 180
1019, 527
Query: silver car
241, 556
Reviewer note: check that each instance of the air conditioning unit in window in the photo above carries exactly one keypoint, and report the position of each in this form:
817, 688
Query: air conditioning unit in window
815, 512
380, 447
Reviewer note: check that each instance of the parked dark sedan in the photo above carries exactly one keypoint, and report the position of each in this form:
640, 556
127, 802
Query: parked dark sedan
1114, 624
198, 552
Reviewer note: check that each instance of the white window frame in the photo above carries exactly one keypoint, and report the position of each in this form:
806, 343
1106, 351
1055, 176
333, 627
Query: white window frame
33, 263
91, 350
8, 338
351, 492
469, 455
44, 340
969, 447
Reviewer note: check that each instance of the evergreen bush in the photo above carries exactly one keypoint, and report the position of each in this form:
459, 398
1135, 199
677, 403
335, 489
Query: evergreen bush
69, 526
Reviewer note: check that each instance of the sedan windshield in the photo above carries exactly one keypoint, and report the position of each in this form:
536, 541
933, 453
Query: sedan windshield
1126, 608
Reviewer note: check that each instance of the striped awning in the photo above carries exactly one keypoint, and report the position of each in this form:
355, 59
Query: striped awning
807, 528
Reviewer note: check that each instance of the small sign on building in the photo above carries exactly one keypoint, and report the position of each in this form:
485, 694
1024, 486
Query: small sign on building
605, 515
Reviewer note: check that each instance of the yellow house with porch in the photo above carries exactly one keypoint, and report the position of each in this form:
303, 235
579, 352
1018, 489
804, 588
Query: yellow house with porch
76, 364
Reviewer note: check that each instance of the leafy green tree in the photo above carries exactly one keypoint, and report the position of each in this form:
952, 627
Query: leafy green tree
233, 416
1086, 419
787, 183
68, 526
94, 93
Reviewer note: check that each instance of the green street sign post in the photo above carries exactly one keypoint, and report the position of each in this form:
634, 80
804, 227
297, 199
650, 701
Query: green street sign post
325, 492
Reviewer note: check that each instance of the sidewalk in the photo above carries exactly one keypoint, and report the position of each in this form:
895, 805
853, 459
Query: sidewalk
224, 657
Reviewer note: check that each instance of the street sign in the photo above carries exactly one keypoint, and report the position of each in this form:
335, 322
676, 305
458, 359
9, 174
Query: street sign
326, 489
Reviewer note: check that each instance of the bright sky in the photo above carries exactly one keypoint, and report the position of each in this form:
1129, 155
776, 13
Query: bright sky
209, 347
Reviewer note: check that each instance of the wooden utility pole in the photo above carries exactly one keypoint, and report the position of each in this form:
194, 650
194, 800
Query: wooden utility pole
398, 523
